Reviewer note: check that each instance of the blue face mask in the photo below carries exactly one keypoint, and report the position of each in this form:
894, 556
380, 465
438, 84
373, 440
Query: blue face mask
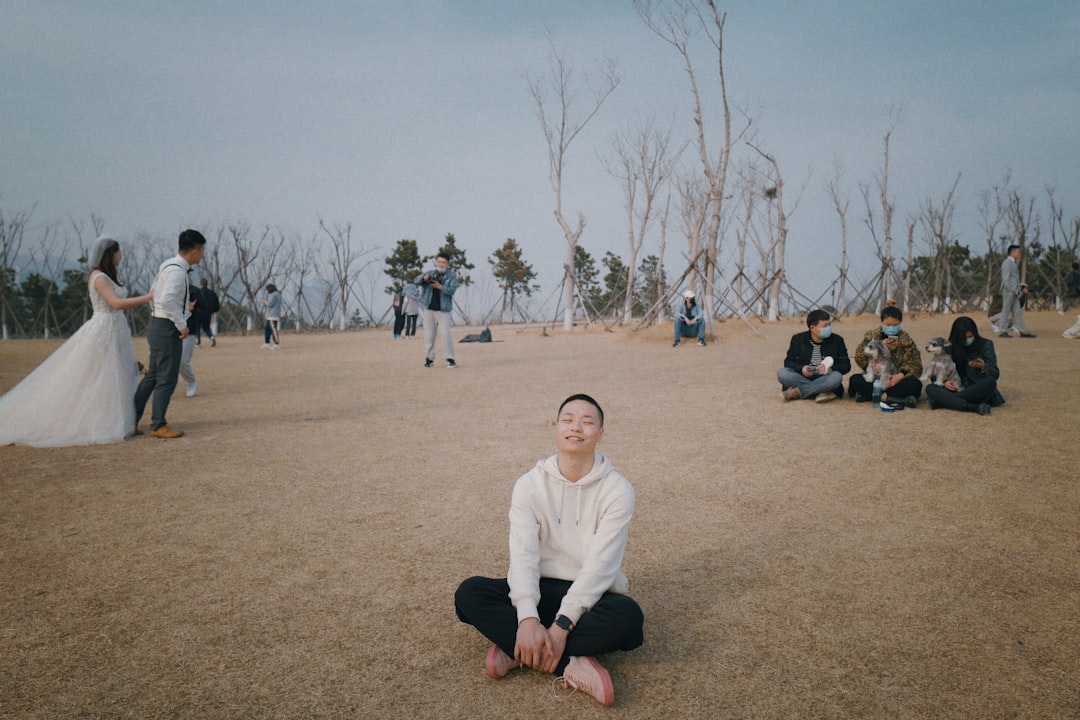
825, 332
968, 342
890, 330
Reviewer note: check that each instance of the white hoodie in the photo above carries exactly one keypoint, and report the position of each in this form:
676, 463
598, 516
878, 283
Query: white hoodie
568, 531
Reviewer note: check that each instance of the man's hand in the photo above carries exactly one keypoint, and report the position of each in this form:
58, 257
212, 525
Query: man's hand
183, 333
890, 343
808, 371
895, 378
557, 645
532, 646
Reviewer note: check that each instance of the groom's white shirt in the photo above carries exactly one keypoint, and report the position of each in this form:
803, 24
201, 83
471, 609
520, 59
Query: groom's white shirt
170, 291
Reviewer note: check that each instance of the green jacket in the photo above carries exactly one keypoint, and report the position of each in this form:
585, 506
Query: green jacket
905, 357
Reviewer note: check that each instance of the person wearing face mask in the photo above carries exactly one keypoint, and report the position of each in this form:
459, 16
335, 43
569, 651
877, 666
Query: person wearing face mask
904, 386
976, 362
816, 362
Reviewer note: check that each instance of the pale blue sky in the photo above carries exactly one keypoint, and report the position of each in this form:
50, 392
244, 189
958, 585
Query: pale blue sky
411, 119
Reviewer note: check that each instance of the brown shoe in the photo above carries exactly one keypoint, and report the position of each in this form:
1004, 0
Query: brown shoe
166, 433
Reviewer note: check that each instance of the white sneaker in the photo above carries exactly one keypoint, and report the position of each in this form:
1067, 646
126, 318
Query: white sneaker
265, 345
192, 388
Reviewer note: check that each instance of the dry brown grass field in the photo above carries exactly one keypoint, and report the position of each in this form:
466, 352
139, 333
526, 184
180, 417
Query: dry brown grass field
296, 553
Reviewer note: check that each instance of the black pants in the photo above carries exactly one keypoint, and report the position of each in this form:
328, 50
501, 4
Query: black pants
614, 623
399, 323
203, 327
967, 399
908, 387
166, 349
410, 325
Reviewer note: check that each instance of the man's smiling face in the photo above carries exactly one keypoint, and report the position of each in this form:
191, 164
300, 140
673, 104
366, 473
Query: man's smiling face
578, 429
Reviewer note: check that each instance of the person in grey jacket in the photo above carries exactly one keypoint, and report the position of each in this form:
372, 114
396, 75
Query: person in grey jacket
1012, 310
437, 301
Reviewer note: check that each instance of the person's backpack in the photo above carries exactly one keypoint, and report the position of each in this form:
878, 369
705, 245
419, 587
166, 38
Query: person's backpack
210, 300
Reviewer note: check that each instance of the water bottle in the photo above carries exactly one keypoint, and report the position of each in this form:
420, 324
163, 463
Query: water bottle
877, 390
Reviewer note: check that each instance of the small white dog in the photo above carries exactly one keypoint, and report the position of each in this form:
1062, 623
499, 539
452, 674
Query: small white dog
879, 363
941, 367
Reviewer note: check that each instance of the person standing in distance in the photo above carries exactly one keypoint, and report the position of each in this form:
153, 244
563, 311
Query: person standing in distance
166, 332
437, 300
1012, 310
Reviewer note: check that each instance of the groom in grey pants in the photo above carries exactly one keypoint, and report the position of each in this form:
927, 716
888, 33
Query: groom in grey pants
167, 330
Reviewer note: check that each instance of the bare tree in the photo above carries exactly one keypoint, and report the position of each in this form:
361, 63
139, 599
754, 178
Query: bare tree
343, 264
642, 162
886, 275
256, 262
676, 22
841, 207
936, 223
12, 233
554, 97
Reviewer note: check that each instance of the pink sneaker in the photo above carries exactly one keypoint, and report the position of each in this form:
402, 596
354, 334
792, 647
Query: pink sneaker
499, 663
589, 676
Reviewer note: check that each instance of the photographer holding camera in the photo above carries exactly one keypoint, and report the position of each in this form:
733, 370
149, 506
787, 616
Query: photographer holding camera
437, 300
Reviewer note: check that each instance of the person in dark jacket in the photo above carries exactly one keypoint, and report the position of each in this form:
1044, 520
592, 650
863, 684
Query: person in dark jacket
816, 362
976, 362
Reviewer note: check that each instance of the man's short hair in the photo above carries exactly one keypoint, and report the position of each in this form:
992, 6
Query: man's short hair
445, 256
815, 317
1011, 248
191, 239
586, 398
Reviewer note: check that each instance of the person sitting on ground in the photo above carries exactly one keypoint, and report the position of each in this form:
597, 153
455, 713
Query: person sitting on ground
904, 387
816, 362
689, 320
976, 362
563, 601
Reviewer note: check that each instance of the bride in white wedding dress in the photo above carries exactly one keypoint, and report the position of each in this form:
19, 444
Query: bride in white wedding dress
83, 393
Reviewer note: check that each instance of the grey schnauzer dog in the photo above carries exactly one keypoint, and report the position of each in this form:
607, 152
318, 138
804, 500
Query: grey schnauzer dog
941, 367
879, 364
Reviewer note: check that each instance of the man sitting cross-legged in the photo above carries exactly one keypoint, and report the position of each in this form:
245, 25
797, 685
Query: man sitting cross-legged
562, 602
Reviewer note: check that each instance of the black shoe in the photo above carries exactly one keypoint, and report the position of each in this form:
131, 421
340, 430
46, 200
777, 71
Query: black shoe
1004, 334
428, 362
213, 342
931, 404
701, 343
908, 402
1026, 334
984, 408
675, 344
861, 398
451, 364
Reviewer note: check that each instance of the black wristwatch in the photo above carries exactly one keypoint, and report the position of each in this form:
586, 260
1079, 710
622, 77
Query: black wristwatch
564, 622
